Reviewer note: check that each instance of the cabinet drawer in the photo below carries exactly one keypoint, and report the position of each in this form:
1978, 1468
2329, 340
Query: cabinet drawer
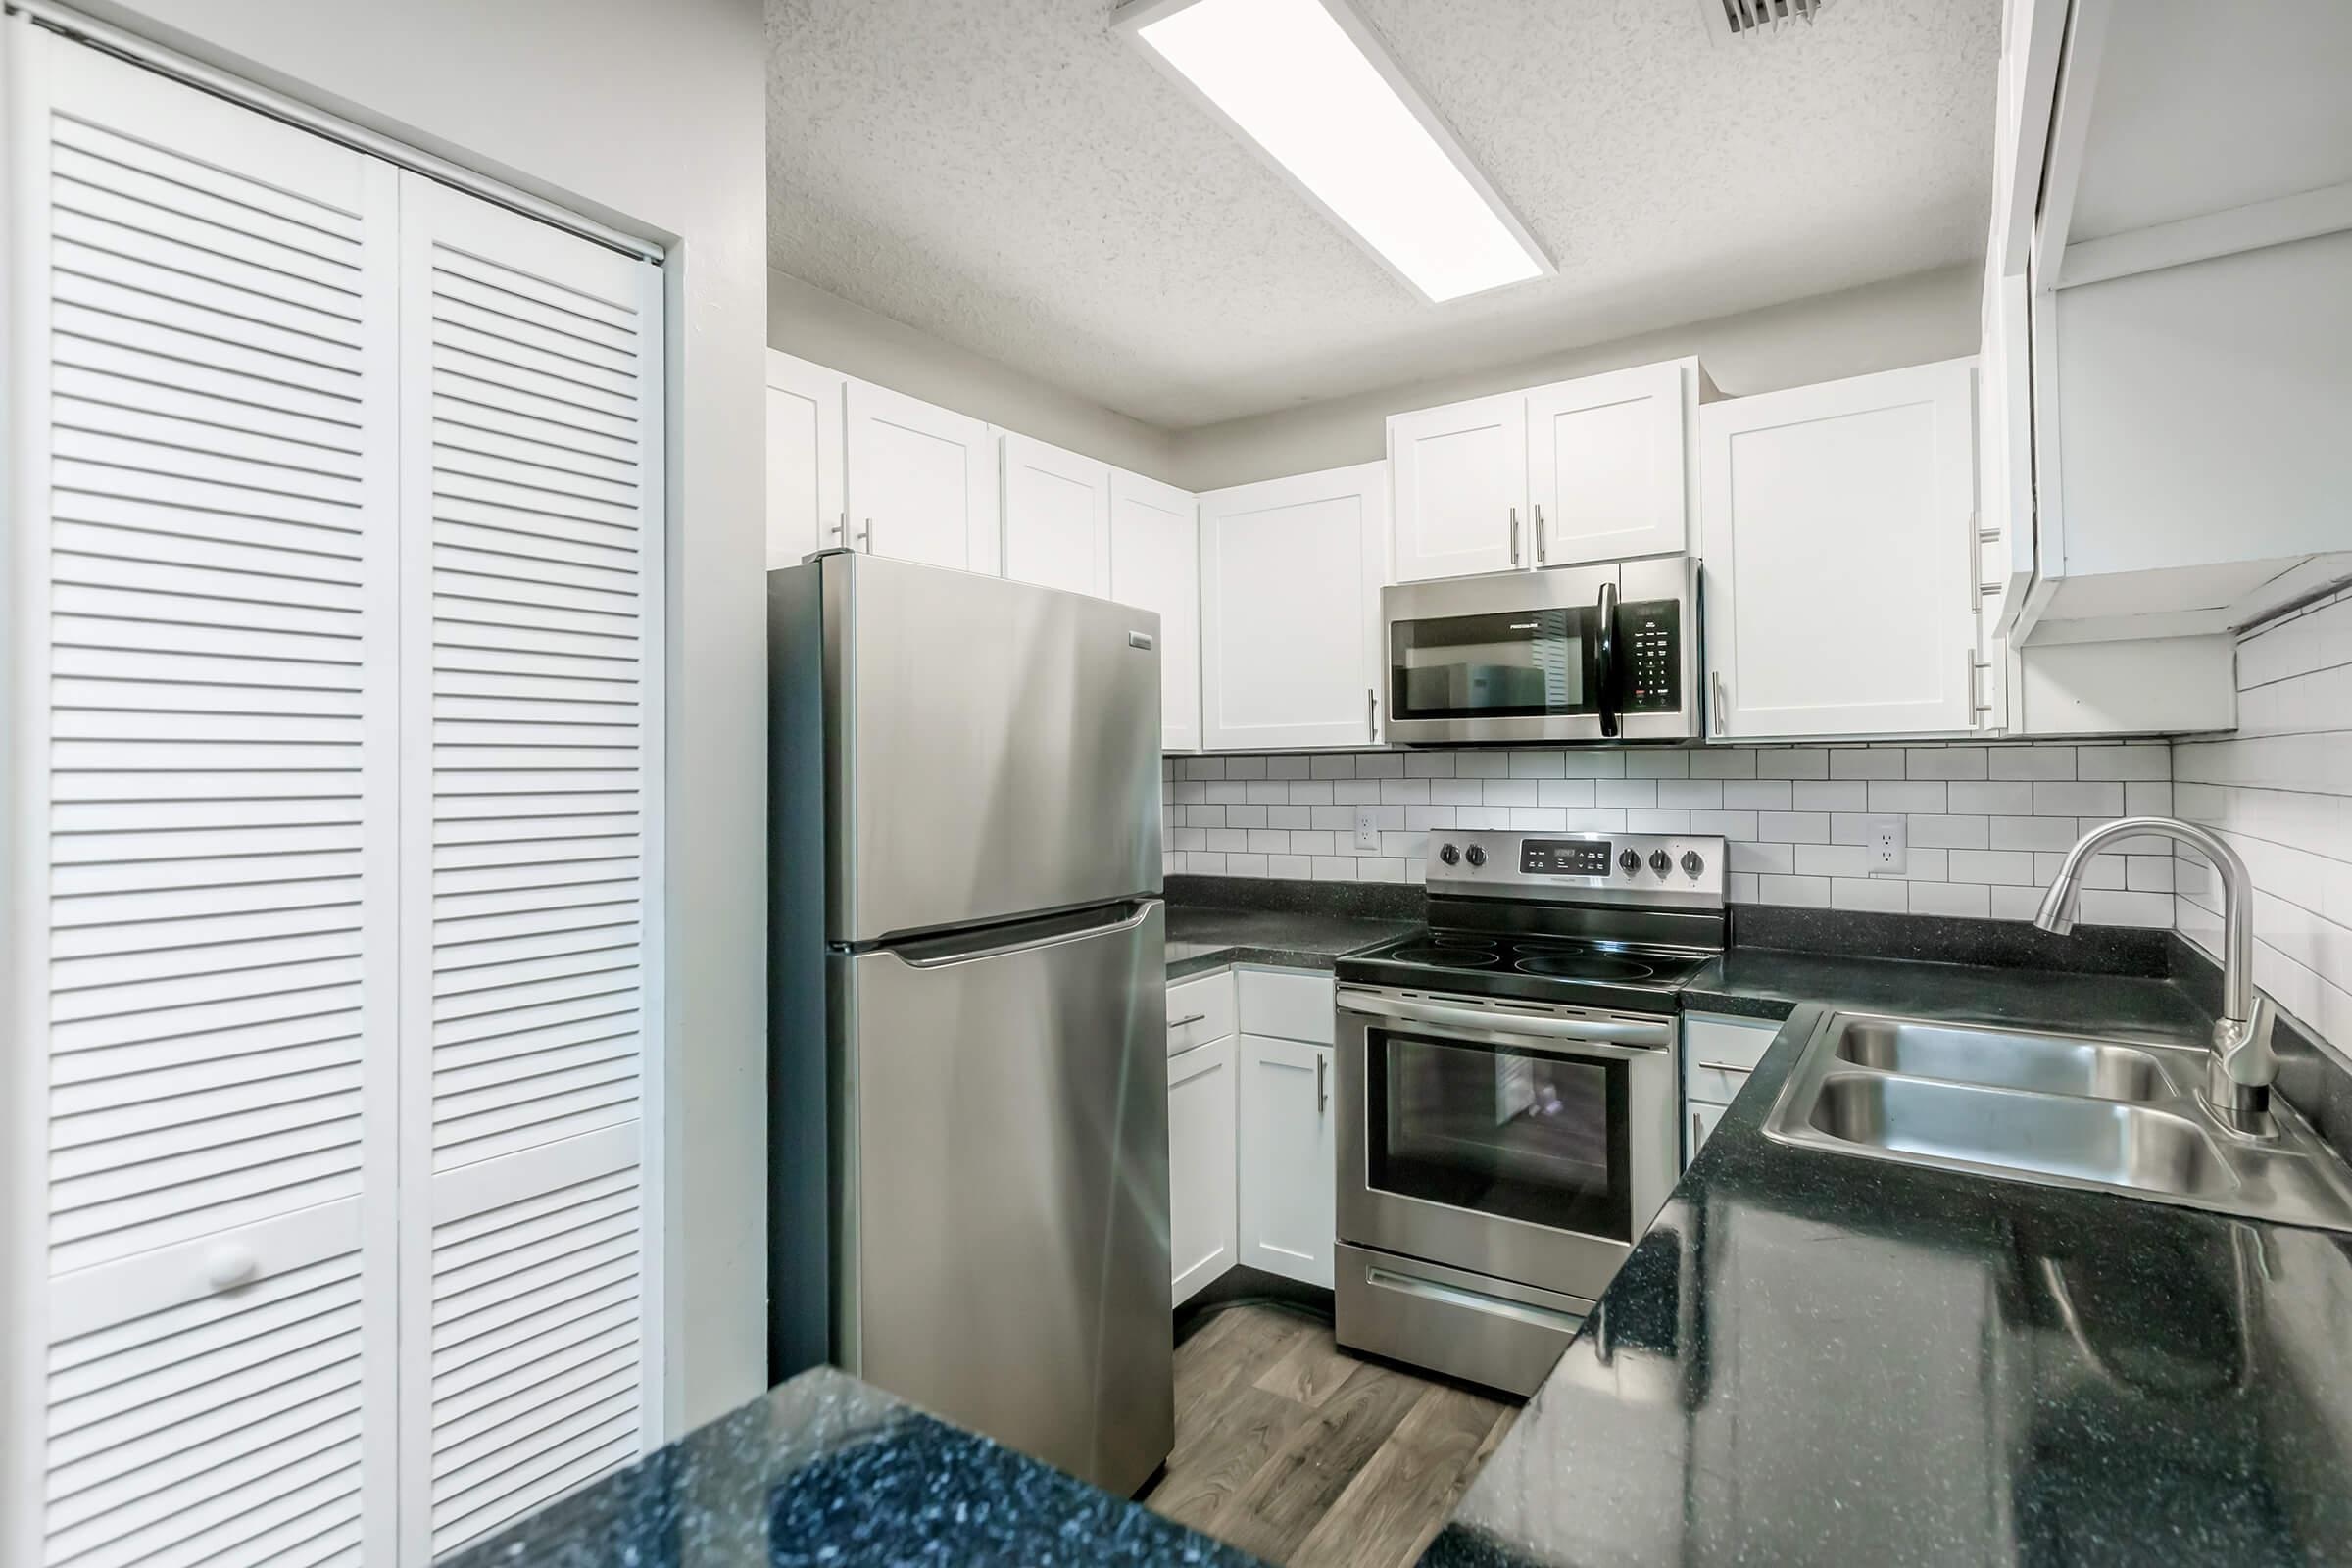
1711, 1085
1200, 1011
1289, 1007
1713, 1041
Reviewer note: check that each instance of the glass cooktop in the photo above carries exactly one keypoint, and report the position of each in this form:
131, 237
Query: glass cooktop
1552, 958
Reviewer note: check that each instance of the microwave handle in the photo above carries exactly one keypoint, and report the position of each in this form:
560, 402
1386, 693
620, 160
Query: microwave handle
1604, 661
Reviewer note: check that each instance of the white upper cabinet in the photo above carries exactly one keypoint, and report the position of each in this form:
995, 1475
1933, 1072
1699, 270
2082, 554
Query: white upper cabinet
803, 458
1591, 469
1607, 464
1458, 476
1839, 541
1291, 572
922, 481
1156, 562
1056, 516
2183, 281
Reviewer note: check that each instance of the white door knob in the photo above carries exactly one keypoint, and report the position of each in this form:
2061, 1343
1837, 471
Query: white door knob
230, 1264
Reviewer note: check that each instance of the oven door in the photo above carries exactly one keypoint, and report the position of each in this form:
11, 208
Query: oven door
1511, 1138
1568, 653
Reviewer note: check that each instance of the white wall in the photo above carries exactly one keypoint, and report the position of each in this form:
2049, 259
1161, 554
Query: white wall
2281, 792
803, 319
1906, 320
1988, 824
652, 117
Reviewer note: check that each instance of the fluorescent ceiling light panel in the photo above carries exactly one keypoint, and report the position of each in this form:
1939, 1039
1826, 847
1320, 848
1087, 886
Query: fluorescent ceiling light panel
1310, 86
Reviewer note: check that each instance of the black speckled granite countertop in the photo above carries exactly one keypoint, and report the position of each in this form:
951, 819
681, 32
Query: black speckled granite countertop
1201, 939
827, 1470
1818, 1359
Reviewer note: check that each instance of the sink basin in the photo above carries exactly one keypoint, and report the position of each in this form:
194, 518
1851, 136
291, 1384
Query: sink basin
2049, 1135
2048, 1063
2051, 1109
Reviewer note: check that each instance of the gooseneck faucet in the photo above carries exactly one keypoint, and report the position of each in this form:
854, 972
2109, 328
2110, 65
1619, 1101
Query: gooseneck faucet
2238, 1080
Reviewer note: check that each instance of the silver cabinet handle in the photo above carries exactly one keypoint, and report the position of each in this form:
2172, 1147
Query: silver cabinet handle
1721, 1067
1539, 533
1514, 536
1975, 688
1322, 1087
1371, 714
1716, 678
1694, 1132
840, 526
1187, 1021
866, 535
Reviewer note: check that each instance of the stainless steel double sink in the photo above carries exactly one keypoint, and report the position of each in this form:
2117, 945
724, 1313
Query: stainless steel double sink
2060, 1110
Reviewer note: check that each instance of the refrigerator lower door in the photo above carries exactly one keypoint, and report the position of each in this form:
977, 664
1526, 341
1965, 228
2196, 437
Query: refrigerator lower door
994, 749
1004, 1202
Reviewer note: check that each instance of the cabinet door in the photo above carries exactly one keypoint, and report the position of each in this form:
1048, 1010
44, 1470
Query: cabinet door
922, 481
1288, 1164
531, 866
1460, 488
1290, 572
1156, 562
803, 458
1056, 516
1607, 464
1840, 542
1203, 1235
201, 895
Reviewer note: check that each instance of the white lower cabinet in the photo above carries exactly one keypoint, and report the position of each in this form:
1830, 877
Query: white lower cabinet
1289, 1192
1204, 1236
1719, 1052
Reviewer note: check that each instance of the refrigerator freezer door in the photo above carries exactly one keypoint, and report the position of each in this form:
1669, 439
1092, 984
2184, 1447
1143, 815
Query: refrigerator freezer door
1005, 1209
995, 753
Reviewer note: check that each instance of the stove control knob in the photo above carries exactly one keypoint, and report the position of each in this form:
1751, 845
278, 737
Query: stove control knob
1692, 864
1475, 856
1631, 860
1660, 861
1448, 853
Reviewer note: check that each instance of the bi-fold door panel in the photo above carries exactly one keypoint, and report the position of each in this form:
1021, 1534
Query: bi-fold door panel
205, 667
531, 364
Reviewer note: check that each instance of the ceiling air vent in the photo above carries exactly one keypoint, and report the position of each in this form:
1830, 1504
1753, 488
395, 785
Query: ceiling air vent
1744, 19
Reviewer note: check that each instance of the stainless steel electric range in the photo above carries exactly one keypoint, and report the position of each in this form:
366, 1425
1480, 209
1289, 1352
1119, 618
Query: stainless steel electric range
1508, 1085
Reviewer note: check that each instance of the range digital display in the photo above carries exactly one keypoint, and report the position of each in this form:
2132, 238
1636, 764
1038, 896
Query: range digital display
1564, 857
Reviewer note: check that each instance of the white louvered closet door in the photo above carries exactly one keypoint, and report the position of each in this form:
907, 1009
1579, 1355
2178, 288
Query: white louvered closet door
531, 558
204, 543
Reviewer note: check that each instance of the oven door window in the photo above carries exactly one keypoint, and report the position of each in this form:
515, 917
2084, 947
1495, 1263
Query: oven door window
1534, 663
1520, 1135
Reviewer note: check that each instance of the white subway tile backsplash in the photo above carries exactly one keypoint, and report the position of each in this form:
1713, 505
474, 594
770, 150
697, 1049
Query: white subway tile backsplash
1796, 817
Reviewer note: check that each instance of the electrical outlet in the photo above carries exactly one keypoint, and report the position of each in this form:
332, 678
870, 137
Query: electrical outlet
1888, 844
1367, 828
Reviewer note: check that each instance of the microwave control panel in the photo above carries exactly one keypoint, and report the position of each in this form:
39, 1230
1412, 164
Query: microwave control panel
1650, 640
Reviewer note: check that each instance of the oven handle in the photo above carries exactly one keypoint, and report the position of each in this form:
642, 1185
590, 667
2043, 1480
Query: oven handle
1620, 1038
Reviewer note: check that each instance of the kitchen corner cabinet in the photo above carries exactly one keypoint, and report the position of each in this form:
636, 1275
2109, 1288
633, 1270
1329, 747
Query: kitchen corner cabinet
1839, 550
1203, 1236
1591, 469
1291, 572
1056, 516
803, 458
920, 481
1288, 1199
1156, 563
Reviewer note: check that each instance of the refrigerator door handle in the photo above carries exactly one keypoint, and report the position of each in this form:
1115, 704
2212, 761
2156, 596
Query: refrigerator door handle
1054, 939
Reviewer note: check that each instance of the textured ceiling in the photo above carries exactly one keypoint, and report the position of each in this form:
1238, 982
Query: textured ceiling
1016, 178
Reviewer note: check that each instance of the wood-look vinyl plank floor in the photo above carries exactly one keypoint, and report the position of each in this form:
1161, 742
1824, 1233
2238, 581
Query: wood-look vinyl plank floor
1296, 1451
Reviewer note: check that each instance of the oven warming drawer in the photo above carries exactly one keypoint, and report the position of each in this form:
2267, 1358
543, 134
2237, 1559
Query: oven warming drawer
1470, 1326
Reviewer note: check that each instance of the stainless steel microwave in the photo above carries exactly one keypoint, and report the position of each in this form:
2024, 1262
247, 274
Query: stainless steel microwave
1604, 652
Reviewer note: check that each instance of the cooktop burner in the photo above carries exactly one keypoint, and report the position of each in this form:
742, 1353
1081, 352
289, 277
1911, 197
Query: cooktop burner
1448, 955
1583, 966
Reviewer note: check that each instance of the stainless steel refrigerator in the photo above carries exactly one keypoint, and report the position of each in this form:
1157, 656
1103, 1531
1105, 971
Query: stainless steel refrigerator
968, 1098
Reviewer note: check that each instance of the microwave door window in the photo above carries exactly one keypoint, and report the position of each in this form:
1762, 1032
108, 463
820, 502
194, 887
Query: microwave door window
1531, 664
